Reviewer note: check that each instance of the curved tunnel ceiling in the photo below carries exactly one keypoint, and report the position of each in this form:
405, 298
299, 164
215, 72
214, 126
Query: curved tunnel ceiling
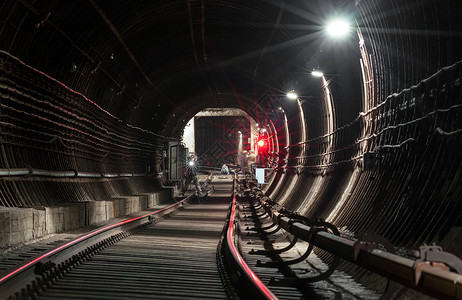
92, 88
146, 60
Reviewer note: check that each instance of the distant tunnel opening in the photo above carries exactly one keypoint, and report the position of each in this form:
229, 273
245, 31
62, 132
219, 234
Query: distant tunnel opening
220, 135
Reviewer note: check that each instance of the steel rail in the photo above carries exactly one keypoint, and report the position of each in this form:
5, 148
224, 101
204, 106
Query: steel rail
423, 276
254, 284
14, 280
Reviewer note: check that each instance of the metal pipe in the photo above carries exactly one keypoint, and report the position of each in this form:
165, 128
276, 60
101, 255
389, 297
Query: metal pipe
110, 175
14, 172
88, 174
65, 174
125, 174
48, 173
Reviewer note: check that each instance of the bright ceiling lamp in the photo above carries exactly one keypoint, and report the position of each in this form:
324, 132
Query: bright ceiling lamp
317, 73
338, 28
292, 95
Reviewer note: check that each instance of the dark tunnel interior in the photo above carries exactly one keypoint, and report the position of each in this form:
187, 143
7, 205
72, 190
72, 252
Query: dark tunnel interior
93, 92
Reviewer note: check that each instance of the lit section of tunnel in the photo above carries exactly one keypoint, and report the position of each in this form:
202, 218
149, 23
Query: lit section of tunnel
221, 135
372, 146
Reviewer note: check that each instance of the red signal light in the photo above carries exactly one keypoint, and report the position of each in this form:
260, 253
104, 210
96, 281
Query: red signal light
261, 143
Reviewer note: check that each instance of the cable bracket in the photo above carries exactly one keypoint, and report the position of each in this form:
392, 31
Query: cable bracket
434, 256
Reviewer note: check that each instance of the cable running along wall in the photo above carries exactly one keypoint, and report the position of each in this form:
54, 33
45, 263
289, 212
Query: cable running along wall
47, 126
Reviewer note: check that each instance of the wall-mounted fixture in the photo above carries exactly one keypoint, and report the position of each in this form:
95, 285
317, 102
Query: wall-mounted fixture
370, 161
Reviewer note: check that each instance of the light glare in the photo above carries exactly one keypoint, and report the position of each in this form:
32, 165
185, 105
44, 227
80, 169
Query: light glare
292, 95
338, 28
317, 73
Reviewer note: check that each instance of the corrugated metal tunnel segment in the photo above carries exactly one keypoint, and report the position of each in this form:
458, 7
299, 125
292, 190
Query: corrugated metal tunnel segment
52, 128
432, 278
173, 259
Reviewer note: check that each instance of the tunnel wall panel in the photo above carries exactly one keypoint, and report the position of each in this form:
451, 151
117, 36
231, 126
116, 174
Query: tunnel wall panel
412, 122
19, 225
48, 127
415, 135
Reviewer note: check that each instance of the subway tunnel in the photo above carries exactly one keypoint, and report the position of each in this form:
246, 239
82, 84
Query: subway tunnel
94, 95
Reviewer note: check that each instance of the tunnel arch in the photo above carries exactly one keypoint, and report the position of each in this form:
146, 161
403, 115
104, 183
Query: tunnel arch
74, 101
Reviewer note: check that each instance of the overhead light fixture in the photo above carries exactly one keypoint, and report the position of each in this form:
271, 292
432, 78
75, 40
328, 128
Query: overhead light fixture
317, 73
292, 95
338, 28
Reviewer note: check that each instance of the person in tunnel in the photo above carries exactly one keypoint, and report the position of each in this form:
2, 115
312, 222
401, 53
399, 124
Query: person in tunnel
190, 174
251, 159
224, 169
243, 162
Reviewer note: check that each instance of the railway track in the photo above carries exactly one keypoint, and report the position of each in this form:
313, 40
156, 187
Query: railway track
193, 249
279, 261
172, 259
167, 254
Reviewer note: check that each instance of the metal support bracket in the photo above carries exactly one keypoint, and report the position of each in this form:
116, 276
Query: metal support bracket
261, 228
275, 251
370, 236
434, 256
360, 245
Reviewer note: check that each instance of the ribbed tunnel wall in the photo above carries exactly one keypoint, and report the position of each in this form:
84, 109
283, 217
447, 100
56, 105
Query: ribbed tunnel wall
46, 126
409, 113
411, 117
